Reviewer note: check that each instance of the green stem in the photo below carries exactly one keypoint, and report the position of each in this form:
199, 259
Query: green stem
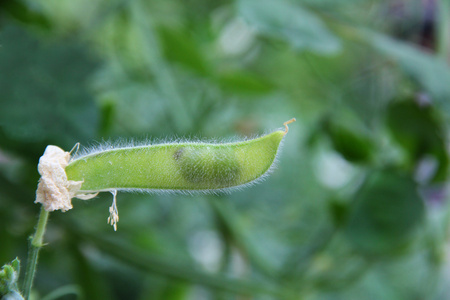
33, 252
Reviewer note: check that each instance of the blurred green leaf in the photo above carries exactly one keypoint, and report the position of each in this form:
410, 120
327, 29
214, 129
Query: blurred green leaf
281, 19
431, 72
420, 133
64, 291
386, 213
179, 271
131, 109
44, 96
244, 83
353, 146
175, 291
108, 112
179, 46
339, 211
161, 289
25, 13
91, 282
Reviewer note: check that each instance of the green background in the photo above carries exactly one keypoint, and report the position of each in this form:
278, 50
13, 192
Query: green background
358, 206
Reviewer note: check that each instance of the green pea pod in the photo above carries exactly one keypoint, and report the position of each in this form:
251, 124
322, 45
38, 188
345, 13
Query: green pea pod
177, 166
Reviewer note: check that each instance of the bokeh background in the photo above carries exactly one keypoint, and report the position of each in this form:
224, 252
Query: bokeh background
358, 207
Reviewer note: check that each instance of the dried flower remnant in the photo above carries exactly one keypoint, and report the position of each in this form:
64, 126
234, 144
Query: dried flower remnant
54, 190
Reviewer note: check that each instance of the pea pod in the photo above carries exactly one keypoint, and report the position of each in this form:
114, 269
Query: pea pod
177, 166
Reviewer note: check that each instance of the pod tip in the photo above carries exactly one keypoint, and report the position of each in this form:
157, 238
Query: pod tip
286, 124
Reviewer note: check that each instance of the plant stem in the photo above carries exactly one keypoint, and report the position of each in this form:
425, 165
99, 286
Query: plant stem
33, 252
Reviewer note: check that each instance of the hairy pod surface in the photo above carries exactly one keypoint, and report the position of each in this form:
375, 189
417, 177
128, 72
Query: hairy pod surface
177, 166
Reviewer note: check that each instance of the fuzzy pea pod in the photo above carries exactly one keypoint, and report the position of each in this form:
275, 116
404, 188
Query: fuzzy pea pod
188, 167
177, 166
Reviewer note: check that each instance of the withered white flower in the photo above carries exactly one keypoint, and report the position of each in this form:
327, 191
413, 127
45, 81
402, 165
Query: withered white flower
54, 190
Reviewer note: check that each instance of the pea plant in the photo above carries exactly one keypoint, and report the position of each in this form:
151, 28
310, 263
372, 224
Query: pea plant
185, 167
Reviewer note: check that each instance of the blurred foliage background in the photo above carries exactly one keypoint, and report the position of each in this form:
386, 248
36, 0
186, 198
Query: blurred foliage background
358, 207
